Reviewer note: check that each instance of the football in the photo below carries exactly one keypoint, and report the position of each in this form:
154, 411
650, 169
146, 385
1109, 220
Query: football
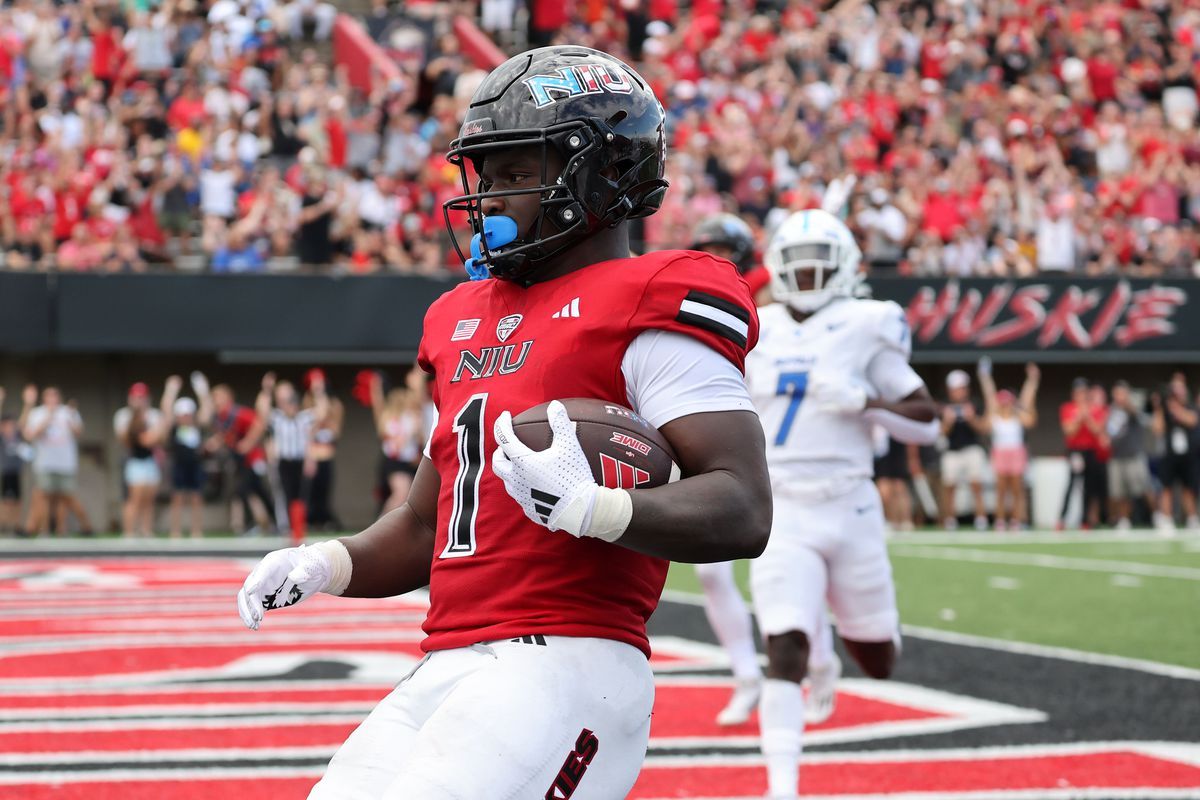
624, 450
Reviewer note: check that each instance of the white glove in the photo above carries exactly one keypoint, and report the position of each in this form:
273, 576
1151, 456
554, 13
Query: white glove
555, 487
285, 577
835, 396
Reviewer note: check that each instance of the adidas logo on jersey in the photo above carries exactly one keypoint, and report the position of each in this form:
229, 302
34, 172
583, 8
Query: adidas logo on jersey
571, 309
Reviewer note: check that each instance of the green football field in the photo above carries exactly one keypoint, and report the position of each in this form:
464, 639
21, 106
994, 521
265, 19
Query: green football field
1136, 596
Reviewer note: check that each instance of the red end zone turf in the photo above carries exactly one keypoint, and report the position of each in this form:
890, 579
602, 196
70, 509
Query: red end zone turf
132, 679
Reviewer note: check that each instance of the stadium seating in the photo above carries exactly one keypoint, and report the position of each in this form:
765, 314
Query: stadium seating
964, 138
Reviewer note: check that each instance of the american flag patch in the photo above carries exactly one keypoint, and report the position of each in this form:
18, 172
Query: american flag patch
464, 330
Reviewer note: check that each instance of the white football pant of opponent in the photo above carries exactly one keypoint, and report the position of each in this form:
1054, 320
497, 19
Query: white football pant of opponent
729, 617
827, 367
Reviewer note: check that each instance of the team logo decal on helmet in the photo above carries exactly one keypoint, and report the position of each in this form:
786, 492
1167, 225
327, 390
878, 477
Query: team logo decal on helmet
576, 81
607, 129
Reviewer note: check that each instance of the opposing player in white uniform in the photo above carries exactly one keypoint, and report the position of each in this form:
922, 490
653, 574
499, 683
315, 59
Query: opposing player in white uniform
826, 368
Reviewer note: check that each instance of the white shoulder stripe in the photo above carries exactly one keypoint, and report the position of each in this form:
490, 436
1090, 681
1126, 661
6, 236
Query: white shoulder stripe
716, 315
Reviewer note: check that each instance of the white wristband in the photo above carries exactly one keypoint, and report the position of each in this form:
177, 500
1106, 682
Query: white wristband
340, 565
612, 510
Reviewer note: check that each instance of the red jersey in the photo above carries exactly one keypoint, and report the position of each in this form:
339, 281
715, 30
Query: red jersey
493, 346
234, 426
1084, 438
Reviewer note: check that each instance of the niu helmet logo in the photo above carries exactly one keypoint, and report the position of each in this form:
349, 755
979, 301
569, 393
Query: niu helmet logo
567, 82
619, 475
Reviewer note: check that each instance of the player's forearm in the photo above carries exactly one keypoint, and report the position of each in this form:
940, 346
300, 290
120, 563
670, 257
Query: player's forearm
391, 557
717, 516
919, 409
904, 429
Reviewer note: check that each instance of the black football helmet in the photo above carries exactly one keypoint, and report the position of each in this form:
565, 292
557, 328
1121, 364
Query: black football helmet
730, 231
603, 120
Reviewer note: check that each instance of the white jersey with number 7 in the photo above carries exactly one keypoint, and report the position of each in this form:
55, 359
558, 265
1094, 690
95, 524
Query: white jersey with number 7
848, 341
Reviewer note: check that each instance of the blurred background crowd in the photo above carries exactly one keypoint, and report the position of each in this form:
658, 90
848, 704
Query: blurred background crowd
271, 462
965, 137
191, 457
1133, 456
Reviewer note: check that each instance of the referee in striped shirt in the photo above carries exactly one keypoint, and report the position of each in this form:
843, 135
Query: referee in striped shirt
291, 429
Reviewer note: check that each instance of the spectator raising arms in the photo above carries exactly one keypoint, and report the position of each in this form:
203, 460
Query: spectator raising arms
1007, 417
187, 426
964, 459
138, 427
1175, 420
399, 424
53, 429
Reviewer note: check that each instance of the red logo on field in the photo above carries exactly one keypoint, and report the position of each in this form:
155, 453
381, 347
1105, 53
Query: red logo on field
619, 475
625, 440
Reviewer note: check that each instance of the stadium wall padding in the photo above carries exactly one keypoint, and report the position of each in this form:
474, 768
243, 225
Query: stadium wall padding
1057, 320
26, 307
219, 313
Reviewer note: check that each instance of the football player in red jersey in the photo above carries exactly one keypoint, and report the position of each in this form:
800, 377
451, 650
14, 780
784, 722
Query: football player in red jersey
535, 681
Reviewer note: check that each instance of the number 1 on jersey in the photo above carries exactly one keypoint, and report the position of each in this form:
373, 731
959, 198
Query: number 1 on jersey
793, 384
468, 426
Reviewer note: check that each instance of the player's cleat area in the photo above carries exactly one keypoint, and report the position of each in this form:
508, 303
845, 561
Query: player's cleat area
822, 691
742, 703
132, 677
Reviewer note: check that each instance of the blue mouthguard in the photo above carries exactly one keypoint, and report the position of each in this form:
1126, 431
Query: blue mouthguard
498, 231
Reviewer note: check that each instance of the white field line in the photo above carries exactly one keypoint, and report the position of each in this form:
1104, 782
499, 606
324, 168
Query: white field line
374, 667
134, 716
1047, 561
140, 775
1046, 537
1172, 751
1182, 752
304, 620
156, 609
181, 723
1046, 651
234, 636
1009, 646
156, 547
324, 752
58, 687
1000, 794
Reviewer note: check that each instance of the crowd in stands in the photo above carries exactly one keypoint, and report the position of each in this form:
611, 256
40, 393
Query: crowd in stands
986, 138
209, 135
958, 137
271, 463
1132, 456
